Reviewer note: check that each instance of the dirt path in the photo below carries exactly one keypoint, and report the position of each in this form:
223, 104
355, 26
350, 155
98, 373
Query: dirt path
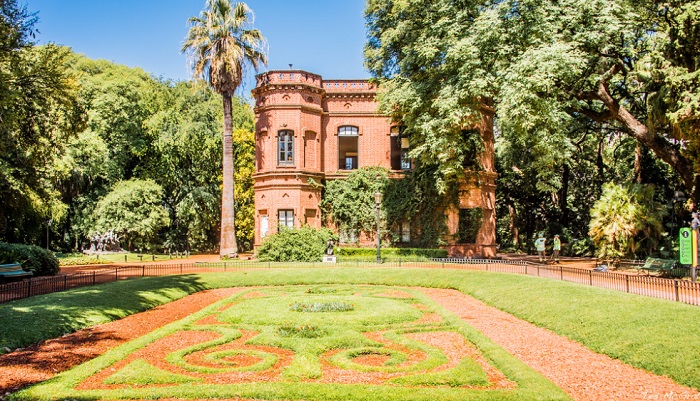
583, 374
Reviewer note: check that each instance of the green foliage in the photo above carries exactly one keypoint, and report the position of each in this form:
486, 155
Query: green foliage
349, 203
469, 225
419, 200
626, 222
39, 261
414, 199
626, 65
303, 244
39, 113
397, 252
221, 42
133, 210
313, 307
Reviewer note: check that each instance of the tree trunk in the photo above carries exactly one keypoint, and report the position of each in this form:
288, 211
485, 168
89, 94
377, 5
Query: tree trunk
564, 194
638, 157
662, 148
228, 246
514, 232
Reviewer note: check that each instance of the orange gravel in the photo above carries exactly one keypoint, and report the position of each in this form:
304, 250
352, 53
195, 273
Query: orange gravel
583, 374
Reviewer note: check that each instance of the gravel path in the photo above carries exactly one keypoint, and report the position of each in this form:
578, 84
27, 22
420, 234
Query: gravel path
582, 373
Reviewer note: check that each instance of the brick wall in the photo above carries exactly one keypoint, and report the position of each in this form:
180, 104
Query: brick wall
314, 109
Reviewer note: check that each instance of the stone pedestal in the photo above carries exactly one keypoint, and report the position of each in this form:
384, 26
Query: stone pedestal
329, 259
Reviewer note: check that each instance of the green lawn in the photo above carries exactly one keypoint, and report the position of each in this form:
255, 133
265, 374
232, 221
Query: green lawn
656, 335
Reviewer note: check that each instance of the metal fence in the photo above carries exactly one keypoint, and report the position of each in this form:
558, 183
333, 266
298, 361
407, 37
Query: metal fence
670, 289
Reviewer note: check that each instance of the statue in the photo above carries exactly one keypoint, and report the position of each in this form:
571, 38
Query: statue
329, 248
104, 242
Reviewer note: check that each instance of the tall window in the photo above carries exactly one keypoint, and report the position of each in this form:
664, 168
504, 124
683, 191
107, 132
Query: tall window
285, 145
285, 218
405, 231
263, 226
347, 147
399, 150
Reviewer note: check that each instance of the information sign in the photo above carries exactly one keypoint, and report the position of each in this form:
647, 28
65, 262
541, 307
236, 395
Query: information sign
685, 240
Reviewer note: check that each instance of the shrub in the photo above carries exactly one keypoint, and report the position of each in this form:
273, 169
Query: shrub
303, 244
626, 221
39, 261
395, 252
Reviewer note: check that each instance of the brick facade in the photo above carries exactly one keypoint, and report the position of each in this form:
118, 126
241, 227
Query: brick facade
325, 127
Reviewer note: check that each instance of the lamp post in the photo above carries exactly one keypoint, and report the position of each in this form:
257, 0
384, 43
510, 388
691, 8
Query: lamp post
678, 196
48, 227
377, 202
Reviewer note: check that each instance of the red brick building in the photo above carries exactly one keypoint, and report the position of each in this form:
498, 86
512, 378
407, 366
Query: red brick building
310, 128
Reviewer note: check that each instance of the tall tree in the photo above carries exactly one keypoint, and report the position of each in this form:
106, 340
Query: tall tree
220, 44
631, 65
39, 113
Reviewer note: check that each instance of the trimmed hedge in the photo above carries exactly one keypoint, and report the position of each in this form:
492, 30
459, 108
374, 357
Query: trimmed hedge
39, 261
396, 252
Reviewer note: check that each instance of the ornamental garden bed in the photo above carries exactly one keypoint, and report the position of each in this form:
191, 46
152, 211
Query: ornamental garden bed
350, 342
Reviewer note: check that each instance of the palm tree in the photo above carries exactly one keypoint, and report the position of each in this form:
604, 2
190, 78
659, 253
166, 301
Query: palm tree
220, 44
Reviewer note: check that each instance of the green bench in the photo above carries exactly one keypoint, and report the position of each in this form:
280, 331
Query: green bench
12, 270
663, 266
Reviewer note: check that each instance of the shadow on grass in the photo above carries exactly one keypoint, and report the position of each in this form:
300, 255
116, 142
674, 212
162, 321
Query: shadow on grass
29, 321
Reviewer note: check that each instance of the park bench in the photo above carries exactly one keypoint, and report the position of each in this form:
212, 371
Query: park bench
665, 267
12, 270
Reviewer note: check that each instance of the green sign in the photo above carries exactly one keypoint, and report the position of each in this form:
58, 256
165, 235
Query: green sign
685, 238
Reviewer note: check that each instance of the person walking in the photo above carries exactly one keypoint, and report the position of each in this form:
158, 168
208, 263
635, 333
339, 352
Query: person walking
540, 243
556, 248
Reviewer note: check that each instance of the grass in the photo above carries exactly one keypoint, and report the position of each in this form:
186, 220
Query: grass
345, 335
655, 335
140, 372
34, 319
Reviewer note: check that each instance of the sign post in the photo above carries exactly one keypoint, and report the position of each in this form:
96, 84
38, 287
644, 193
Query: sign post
685, 241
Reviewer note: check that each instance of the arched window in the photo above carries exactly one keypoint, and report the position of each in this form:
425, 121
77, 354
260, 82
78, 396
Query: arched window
285, 146
347, 147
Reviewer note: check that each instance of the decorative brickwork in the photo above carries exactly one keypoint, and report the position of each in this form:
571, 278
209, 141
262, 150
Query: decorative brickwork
309, 130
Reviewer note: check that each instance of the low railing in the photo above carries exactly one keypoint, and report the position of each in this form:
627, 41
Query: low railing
663, 288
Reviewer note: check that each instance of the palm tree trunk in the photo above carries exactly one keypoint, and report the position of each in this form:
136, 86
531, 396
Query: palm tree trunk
228, 245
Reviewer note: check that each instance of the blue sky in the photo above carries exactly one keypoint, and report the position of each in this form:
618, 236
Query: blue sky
320, 36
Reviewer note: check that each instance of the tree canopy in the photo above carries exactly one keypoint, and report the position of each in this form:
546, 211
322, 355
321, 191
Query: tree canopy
73, 128
582, 92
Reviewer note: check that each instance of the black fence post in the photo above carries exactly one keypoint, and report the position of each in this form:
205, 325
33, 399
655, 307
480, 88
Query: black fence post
627, 283
677, 295
65, 282
29, 288
94, 279
143, 271
590, 277
561, 272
